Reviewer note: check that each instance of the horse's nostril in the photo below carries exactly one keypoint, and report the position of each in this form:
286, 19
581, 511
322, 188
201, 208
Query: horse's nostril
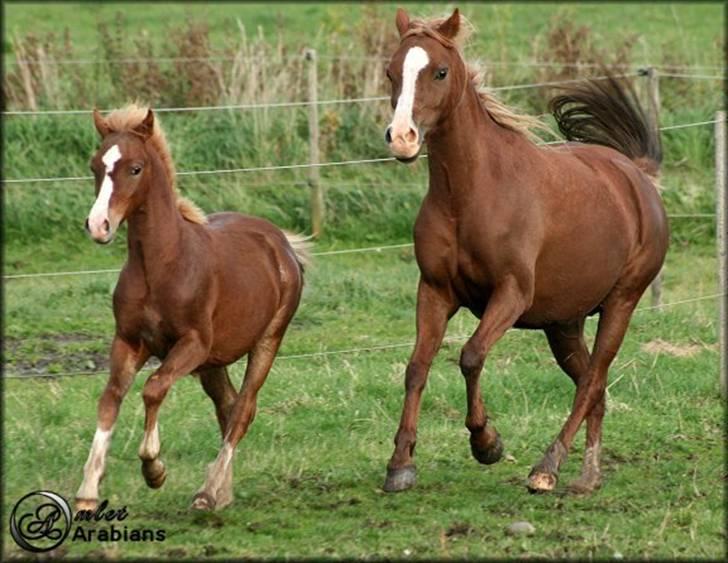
106, 225
388, 135
411, 136
86, 226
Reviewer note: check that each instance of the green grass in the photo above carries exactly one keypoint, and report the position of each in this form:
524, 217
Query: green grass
308, 475
314, 459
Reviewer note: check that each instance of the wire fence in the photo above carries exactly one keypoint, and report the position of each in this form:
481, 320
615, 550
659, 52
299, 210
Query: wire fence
272, 168
306, 103
345, 351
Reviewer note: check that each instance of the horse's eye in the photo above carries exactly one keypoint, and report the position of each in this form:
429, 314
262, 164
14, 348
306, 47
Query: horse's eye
135, 170
440, 74
389, 75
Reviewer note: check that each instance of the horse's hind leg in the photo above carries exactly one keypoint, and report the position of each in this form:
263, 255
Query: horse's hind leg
569, 348
590, 389
126, 360
217, 385
213, 493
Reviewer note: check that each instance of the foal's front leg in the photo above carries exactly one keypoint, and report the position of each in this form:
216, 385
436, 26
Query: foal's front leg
126, 360
188, 352
506, 304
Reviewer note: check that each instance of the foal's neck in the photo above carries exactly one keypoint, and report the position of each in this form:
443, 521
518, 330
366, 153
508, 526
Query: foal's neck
156, 227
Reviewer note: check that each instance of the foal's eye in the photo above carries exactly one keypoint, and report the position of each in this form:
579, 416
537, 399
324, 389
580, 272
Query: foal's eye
440, 74
135, 170
389, 75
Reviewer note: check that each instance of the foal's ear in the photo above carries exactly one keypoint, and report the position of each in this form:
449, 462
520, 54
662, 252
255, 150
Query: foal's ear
450, 27
402, 20
100, 124
146, 127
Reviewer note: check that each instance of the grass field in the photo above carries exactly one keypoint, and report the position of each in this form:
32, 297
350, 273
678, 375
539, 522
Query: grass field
308, 475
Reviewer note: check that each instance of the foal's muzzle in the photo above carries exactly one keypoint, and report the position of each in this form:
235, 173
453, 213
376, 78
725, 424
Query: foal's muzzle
100, 233
405, 145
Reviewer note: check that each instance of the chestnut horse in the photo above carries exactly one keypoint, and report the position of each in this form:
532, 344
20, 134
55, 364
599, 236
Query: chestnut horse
522, 235
196, 292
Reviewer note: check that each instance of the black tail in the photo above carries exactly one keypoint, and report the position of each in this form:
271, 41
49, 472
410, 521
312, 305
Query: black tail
607, 112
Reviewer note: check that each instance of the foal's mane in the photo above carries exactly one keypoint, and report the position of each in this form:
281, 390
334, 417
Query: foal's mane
502, 114
128, 118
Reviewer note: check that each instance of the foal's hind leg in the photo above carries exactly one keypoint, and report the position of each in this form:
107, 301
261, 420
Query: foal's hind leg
613, 323
213, 493
126, 360
569, 348
217, 385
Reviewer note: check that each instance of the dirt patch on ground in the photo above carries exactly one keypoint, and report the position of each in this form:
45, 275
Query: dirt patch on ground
660, 346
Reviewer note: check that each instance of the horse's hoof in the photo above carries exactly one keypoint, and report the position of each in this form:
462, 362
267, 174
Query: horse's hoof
585, 484
490, 455
203, 501
86, 504
400, 479
155, 474
540, 482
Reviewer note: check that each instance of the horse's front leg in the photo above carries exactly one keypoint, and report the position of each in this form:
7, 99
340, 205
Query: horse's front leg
507, 302
434, 307
126, 360
188, 353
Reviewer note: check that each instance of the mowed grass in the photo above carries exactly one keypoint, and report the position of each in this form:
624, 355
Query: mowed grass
308, 474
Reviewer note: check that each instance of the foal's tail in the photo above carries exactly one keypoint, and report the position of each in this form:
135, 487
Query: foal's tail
607, 112
302, 246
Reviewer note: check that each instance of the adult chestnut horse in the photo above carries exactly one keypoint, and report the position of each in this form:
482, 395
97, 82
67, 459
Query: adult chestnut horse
524, 236
196, 292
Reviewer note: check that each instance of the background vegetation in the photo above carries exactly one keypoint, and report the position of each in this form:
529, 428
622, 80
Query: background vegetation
307, 476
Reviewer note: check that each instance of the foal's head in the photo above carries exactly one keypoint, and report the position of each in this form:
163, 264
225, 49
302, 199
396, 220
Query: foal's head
121, 169
428, 78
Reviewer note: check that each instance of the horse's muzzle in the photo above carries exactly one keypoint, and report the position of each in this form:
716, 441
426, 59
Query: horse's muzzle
101, 234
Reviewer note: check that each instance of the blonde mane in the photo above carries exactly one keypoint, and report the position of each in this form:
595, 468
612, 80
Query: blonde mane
502, 114
128, 118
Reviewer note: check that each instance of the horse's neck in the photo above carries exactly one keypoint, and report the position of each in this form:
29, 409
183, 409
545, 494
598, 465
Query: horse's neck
156, 227
469, 150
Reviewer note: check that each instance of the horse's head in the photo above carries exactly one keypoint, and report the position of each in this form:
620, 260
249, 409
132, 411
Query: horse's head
121, 172
427, 77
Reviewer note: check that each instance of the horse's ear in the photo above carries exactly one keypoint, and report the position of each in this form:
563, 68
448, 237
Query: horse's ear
402, 20
100, 124
451, 26
146, 127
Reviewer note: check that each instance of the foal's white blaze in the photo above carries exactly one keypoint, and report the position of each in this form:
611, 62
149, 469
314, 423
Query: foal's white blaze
100, 210
94, 468
415, 60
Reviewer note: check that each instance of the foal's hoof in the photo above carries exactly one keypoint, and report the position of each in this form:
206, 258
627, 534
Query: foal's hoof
400, 479
490, 455
585, 484
541, 482
154, 473
203, 501
86, 504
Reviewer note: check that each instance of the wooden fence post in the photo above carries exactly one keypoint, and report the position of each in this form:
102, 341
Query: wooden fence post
653, 114
314, 178
721, 204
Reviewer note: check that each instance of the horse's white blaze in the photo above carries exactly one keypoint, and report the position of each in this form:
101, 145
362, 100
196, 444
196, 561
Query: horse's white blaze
415, 60
100, 210
150, 444
94, 468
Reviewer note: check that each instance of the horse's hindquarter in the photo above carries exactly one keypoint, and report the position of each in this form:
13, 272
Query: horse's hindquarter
594, 232
252, 266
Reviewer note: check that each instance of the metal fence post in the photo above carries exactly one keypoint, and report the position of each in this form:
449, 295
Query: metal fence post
721, 204
317, 196
653, 114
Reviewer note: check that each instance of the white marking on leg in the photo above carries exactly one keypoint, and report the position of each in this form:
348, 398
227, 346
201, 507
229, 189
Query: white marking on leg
150, 444
415, 60
94, 468
100, 210
218, 470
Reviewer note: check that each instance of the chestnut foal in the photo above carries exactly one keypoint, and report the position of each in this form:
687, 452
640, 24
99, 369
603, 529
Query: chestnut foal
523, 236
196, 292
